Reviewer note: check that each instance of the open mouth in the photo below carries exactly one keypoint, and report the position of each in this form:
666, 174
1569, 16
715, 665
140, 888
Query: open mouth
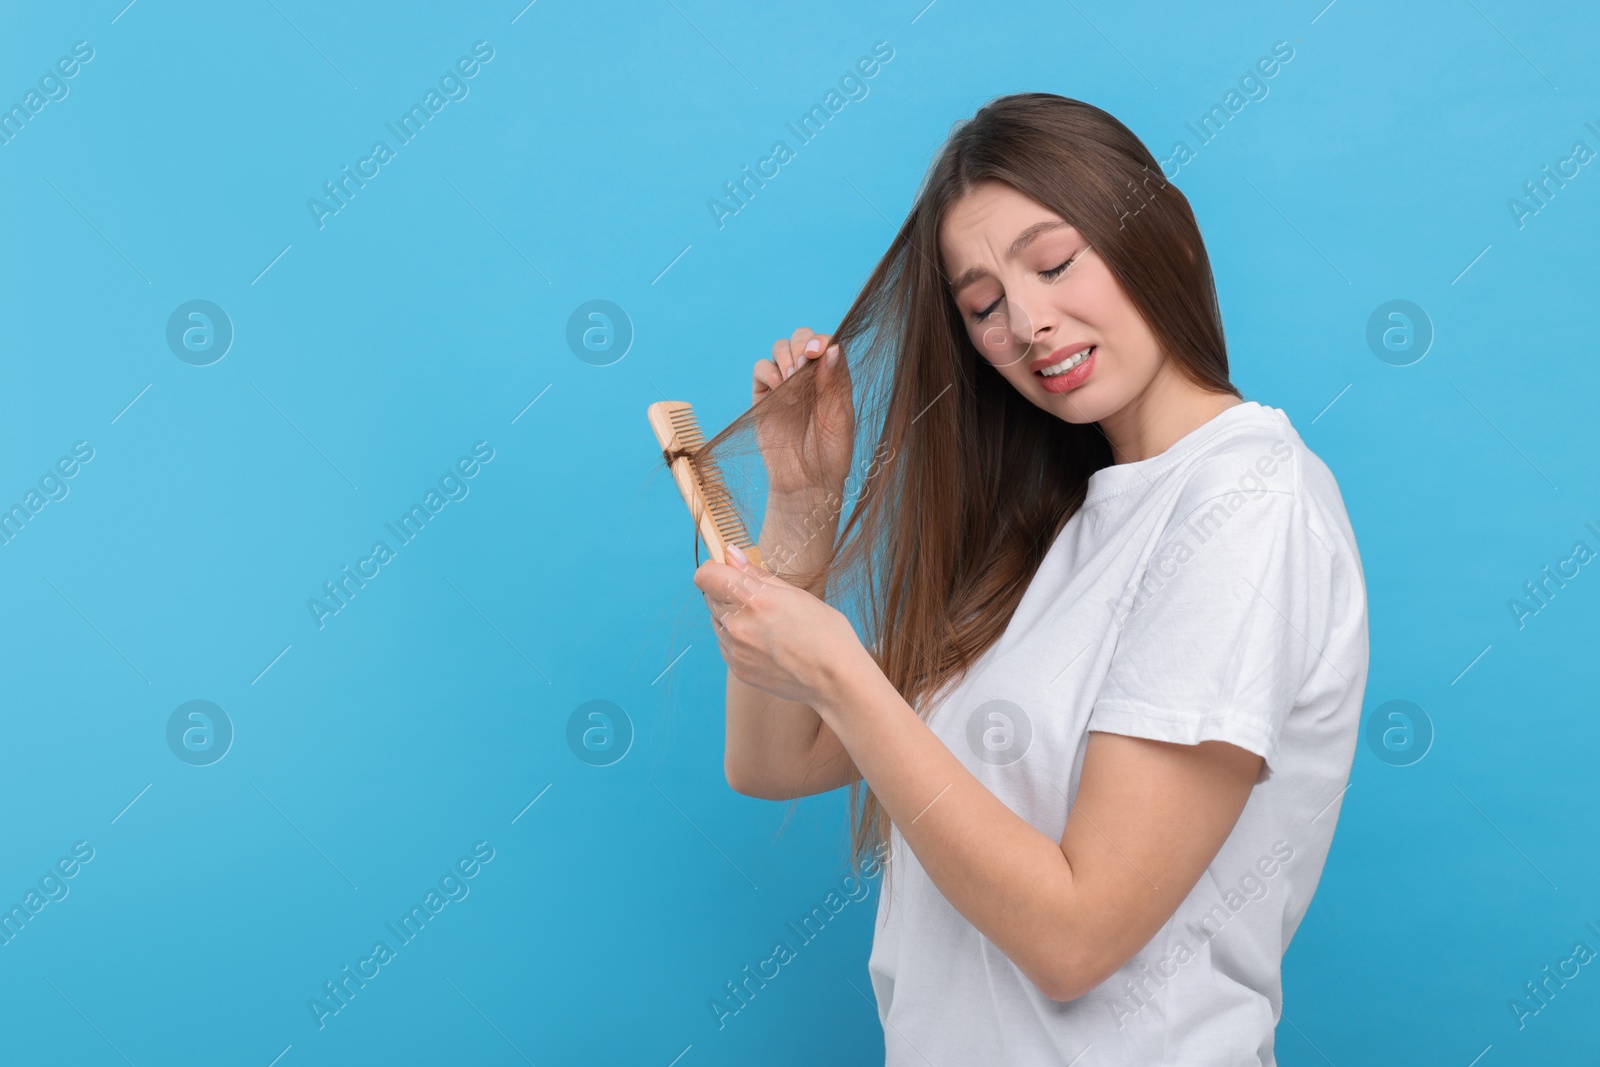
1070, 364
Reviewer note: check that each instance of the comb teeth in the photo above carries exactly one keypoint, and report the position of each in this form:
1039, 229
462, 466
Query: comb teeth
720, 503
686, 429
688, 437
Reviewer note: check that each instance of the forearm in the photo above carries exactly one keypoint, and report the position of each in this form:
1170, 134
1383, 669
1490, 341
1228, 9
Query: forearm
1010, 881
770, 740
797, 536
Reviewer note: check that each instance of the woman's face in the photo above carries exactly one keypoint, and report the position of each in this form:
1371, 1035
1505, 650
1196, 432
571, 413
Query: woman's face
1034, 294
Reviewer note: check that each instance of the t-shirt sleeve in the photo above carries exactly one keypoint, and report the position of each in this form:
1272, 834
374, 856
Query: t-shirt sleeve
1214, 634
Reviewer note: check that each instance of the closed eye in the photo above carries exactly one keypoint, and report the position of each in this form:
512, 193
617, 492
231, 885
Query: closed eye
1055, 272
1048, 275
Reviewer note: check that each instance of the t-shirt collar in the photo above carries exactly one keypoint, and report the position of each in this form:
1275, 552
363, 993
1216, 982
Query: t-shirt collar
1121, 477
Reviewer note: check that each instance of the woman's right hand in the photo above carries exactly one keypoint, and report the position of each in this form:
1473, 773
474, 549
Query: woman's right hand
806, 453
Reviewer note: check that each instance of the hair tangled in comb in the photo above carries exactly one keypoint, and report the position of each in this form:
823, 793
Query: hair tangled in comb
716, 515
959, 484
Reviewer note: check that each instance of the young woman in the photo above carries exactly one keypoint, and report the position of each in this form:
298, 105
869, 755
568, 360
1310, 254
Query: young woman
1116, 615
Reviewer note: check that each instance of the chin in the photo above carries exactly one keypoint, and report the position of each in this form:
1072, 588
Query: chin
1070, 407
1082, 405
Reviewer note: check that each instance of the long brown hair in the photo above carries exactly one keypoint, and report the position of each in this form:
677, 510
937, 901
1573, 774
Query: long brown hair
969, 482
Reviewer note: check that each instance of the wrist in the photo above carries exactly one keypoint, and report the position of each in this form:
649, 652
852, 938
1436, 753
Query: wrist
805, 498
798, 530
842, 674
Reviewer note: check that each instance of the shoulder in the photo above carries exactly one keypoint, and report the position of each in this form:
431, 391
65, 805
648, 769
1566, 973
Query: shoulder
1263, 459
1254, 457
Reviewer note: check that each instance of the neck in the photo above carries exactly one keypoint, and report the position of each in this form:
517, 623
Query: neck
1168, 409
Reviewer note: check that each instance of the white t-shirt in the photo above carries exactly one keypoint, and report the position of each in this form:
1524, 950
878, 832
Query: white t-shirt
1212, 592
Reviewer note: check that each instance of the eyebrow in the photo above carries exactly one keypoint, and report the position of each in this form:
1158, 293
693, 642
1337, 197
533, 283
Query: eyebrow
1024, 238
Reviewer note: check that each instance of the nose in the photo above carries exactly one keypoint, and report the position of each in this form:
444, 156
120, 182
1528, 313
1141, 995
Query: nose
1024, 323
1030, 321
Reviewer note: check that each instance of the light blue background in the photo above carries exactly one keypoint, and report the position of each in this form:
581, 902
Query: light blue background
432, 310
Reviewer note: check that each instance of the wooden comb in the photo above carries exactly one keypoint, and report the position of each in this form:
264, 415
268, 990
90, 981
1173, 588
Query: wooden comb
701, 484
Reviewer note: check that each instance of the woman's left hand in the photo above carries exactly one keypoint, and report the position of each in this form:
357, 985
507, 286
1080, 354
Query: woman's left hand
774, 636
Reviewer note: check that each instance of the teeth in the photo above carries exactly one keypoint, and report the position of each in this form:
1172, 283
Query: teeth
1067, 364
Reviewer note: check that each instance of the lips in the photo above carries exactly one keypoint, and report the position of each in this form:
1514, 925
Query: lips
1065, 381
1064, 352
